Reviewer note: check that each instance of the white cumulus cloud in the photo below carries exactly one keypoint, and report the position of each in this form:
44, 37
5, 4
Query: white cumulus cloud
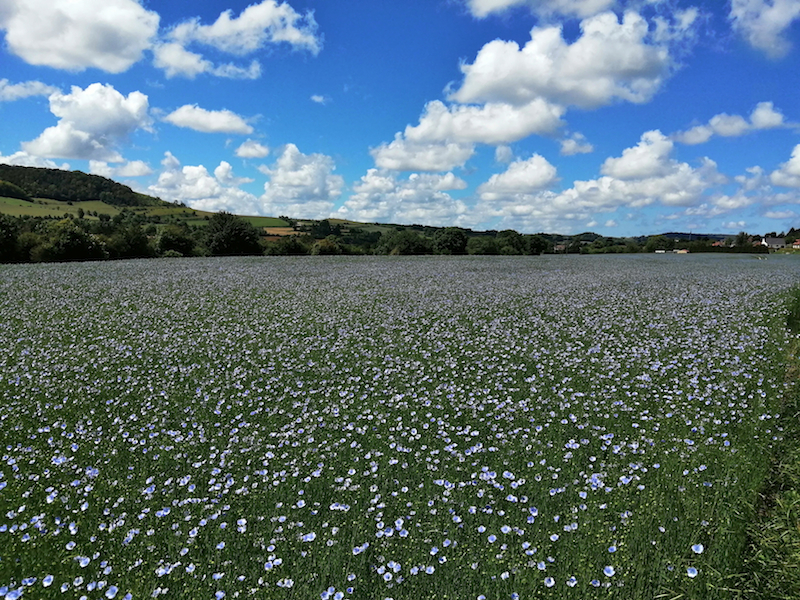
763, 116
302, 185
134, 168
492, 123
92, 122
576, 8
17, 91
23, 159
252, 149
788, 175
196, 187
763, 23
419, 198
576, 144
521, 177
110, 35
406, 155
257, 26
644, 174
191, 116
611, 60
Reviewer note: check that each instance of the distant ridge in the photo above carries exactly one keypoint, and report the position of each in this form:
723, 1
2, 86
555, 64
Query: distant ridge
696, 236
73, 186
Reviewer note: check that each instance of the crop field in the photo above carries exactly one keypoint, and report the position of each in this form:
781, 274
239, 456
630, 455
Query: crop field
379, 427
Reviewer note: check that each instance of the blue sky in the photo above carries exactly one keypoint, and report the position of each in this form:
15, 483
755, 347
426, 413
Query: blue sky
623, 117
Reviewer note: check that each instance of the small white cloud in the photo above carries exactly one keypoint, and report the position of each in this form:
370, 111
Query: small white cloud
176, 60
23, 159
503, 154
546, 8
110, 35
764, 116
92, 122
649, 158
134, 168
192, 116
728, 125
224, 174
319, 99
763, 23
405, 155
696, 135
611, 223
576, 144
17, 91
788, 175
492, 123
252, 149
256, 26
780, 214
521, 177
734, 225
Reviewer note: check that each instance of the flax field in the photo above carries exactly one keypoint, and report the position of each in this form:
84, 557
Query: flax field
480, 428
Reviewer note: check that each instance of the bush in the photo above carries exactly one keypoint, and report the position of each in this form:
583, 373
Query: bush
793, 311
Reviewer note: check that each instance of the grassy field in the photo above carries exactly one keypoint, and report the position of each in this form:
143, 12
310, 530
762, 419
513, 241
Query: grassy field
42, 207
377, 427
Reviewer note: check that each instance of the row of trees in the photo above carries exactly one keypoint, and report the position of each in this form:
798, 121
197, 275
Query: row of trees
131, 235
126, 235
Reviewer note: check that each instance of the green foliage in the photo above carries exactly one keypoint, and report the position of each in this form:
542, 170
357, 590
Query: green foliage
68, 241
129, 241
659, 242
72, 186
451, 240
773, 560
327, 246
483, 245
174, 238
9, 190
293, 245
405, 242
9, 231
793, 311
229, 235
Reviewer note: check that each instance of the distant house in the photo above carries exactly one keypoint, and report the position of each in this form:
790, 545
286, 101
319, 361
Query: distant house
796, 245
773, 243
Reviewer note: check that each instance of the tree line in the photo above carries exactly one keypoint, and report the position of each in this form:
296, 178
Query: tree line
130, 234
68, 186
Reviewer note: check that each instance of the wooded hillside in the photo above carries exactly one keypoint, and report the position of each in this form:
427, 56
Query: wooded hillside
73, 186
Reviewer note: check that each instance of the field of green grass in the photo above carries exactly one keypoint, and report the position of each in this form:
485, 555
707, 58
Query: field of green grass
42, 207
558, 427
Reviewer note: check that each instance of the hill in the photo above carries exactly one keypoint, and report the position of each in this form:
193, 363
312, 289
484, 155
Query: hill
73, 186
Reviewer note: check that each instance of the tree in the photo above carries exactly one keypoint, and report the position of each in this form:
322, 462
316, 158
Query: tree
177, 239
8, 239
68, 241
228, 235
329, 246
450, 240
9, 190
404, 242
483, 244
511, 242
658, 242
